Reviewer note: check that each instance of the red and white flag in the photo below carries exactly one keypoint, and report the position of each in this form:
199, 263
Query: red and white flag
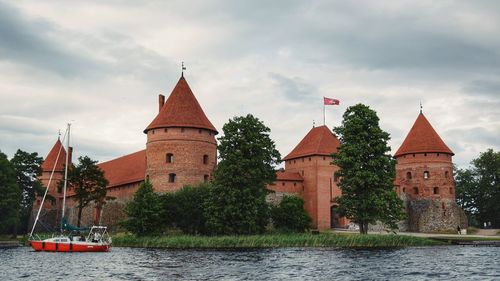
329, 101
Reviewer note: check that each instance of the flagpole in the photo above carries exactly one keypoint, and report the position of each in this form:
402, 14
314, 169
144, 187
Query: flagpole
323, 113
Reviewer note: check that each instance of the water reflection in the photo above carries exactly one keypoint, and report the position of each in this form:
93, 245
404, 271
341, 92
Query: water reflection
426, 263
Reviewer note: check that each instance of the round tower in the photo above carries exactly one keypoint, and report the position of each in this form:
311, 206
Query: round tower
424, 164
181, 148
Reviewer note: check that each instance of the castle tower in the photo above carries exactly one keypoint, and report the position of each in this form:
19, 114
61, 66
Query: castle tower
48, 165
311, 158
181, 148
424, 171
424, 167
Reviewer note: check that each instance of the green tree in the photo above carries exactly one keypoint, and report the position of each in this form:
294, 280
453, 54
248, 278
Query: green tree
10, 196
184, 208
478, 188
88, 182
366, 170
236, 202
27, 167
144, 211
289, 215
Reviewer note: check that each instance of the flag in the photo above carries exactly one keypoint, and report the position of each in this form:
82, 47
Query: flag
329, 101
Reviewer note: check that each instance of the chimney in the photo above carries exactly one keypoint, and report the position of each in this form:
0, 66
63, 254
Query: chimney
161, 101
70, 155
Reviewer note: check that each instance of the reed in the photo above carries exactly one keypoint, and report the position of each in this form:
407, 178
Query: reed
273, 241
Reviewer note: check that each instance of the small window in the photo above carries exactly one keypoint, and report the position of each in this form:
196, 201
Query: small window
199, 131
205, 178
324, 158
437, 154
451, 190
415, 190
426, 174
435, 190
294, 184
166, 130
309, 158
205, 159
153, 132
404, 189
170, 158
171, 177
182, 130
283, 183
413, 155
425, 154
294, 162
302, 159
446, 174
408, 175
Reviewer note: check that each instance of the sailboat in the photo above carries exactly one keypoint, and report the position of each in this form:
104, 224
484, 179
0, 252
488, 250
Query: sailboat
70, 238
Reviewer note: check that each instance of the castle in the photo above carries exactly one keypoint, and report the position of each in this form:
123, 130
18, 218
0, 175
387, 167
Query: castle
181, 149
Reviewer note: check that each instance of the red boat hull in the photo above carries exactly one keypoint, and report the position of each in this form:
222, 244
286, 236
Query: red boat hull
69, 247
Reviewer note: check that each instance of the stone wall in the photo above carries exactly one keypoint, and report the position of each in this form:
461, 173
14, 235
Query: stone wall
431, 215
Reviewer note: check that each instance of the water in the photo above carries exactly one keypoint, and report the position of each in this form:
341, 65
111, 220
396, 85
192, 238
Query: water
426, 263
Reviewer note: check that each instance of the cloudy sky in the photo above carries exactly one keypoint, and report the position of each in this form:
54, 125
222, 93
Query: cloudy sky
101, 65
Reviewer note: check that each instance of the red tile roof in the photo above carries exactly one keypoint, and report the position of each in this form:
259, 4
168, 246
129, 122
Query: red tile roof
288, 176
181, 110
422, 138
50, 160
126, 169
319, 141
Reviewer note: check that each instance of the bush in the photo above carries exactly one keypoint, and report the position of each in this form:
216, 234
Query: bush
289, 215
144, 211
184, 208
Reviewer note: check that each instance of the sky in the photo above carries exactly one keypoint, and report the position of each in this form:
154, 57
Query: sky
100, 65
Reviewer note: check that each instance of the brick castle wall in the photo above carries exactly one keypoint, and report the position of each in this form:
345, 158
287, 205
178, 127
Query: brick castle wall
188, 147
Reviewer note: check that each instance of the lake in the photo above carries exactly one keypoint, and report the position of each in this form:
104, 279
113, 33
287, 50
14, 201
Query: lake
420, 263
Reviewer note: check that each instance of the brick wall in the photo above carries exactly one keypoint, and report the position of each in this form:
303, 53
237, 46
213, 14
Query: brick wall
188, 147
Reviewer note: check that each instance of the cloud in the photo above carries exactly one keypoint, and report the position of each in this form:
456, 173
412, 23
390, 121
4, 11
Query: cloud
103, 63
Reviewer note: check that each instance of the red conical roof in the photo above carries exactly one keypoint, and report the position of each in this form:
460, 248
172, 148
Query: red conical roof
50, 160
422, 138
181, 110
319, 141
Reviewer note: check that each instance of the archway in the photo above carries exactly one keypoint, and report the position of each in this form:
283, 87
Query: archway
334, 217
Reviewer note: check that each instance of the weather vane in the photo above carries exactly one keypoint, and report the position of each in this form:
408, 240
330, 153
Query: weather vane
421, 107
182, 69
59, 133
314, 124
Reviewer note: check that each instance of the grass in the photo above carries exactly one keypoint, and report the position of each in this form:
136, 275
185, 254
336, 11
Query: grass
273, 241
472, 230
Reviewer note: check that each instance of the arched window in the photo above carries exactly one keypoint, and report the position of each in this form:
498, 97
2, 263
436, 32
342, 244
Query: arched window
171, 177
408, 175
446, 174
435, 190
426, 175
205, 159
415, 190
170, 158
205, 178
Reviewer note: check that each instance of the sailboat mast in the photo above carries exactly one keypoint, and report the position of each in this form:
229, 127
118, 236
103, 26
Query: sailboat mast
65, 174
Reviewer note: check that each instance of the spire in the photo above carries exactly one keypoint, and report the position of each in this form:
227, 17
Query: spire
422, 138
319, 141
181, 110
50, 160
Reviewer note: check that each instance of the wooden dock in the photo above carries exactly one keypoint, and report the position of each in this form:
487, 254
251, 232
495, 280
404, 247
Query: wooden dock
463, 242
9, 244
